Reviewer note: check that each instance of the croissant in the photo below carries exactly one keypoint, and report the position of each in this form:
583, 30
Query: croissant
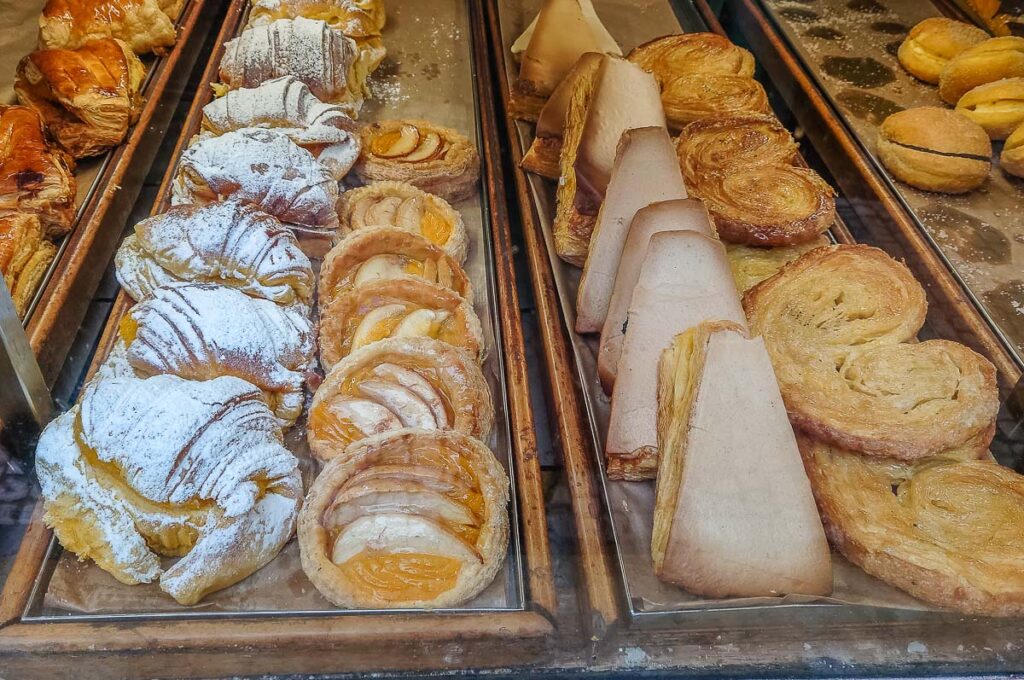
87, 97
839, 324
396, 383
325, 130
145, 25
228, 243
201, 331
261, 167
166, 466
24, 257
714, 144
312, 51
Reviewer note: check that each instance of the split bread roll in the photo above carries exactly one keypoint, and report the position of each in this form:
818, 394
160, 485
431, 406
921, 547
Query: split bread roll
945, 529
24, 257
645, 172
1011, 159
396, 383
840, 324
411, 519
713, 145
933, 42
997, 107
228, 243
986, 62
733, 515
141, 469
145, 25
685, 280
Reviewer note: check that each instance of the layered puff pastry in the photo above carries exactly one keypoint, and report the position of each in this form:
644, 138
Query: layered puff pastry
412, 519
24, 257
141, 469
389, 253
228, 243
696, 96
401, 205
201, 331
933, 42
144, 25
840, 324
434, 158
262, 167
674, 55
714, 144
396, 383
88, 97
287, 104
35, 177
397, 308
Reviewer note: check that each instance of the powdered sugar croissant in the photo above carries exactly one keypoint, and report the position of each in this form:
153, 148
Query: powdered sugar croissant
166, 466
201, 331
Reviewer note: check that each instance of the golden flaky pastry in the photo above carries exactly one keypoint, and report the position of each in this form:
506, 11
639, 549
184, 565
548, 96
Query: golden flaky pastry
751, 265
840, 324
715, 144
24, 257
676, 55
412, 519
145, 25
697, 96
396, 383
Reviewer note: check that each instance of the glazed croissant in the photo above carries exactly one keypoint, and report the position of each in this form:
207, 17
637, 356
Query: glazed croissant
201, 331
146, 25
286, 103
87, 97
166, 466
228, 243
261, 167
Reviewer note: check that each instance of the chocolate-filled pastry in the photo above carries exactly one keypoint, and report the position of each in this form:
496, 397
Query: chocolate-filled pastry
697, 96
933, 42
714, 144
767, 205
944, 530
145, 25
24, 257
675, 55
87, 97
432, 157
35, 177
840, 324
1011, 159
396, 383
986, 62
935, 149
997, 107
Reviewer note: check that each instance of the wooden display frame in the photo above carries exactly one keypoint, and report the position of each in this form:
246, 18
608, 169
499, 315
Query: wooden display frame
318, 643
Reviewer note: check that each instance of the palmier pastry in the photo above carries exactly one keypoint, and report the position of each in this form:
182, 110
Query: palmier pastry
933, 42
200, 331
389, 253
935, 149
997, 107
436, 159
714, 144
24, 257
986, 62
228, 243
87, 97
35, 177
261, 167
169, 467
698, 96
396, 308
751, 265
286, 103
946, 530
413, 519
839, 324
675, 55
399, 204
396, 383
145, 25
312, 51
767, 205
1011, 159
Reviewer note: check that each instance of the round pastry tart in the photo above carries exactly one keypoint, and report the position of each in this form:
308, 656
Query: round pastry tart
410, 519
396, 383
432, 157
766, 205
713, 144
397, 308
389, 253
839, 324
696, 96
400, 204
933, 42
986, 62
675, 55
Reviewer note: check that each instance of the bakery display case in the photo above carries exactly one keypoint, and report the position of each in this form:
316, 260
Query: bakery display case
605, 337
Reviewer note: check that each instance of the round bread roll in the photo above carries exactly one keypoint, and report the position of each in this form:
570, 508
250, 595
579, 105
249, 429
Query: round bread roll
986, 62
933, 42
998, 107
935, 149
1012, 158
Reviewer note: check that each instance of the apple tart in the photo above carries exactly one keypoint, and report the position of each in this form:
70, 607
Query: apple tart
397, 308
396, 383
434, 158
696, 96
400, 204
840, 325
24, 257
674, 55
389, 253
714, 144
411, 519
